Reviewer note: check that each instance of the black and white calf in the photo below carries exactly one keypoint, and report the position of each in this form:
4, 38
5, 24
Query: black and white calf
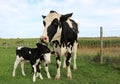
34, 56
63, 32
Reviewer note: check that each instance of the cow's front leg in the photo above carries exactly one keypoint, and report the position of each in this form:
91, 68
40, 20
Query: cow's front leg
47, 71
64, 63
58, 63
69, 75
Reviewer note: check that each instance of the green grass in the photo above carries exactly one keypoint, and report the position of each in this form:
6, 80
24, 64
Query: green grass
88, 72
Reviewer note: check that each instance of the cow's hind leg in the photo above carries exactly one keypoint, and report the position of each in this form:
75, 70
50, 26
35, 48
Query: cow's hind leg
58, 63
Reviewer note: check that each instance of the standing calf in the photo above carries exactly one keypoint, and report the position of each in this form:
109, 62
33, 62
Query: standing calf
34, 56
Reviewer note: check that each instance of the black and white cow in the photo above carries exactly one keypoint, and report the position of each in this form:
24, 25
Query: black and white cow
34, 56
63, 32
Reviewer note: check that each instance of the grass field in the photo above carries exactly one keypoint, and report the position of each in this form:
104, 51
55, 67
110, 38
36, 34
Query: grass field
88, 72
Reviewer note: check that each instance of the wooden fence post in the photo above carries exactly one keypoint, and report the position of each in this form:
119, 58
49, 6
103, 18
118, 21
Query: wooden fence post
101, 45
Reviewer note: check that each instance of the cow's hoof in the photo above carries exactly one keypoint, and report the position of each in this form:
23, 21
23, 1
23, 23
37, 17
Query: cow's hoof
69, 76
74, 68
24, 74
64, 67
57, 77
49, 77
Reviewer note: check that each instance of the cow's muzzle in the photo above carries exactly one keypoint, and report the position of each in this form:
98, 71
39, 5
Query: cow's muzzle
44, 39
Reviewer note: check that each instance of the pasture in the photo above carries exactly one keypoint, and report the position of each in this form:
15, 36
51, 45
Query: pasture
89, 70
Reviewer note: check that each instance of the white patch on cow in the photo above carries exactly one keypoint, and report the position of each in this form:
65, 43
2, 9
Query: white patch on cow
47, 58
60, 50
19, 48
63, 50
29, 52
57, 36
69, 22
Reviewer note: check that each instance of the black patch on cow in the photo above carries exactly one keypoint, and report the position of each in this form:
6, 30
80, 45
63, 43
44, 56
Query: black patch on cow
68, 58
52, 29
46, 65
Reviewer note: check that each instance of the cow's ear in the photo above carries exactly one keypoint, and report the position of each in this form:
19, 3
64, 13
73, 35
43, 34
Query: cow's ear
43, 16
65, 17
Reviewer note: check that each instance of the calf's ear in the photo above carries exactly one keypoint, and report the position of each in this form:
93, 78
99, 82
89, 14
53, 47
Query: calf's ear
37, 44
65, 17
43, 16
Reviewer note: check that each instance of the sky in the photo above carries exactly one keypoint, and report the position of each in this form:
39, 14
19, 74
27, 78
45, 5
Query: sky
23, 18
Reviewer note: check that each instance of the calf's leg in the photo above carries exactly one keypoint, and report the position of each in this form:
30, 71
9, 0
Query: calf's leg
47, 71
22, 68
17, 61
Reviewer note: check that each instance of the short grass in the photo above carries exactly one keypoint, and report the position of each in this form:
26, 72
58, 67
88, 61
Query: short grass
88, 72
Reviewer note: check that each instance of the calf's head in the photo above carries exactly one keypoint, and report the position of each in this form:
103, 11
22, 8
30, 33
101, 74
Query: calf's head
45, 52
52, 26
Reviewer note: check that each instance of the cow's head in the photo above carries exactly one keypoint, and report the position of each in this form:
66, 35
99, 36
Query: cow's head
52, 26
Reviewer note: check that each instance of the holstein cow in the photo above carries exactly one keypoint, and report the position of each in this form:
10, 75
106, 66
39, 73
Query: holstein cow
34, 56
63, 32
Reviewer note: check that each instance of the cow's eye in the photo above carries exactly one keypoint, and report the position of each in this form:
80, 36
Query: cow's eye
44, 23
